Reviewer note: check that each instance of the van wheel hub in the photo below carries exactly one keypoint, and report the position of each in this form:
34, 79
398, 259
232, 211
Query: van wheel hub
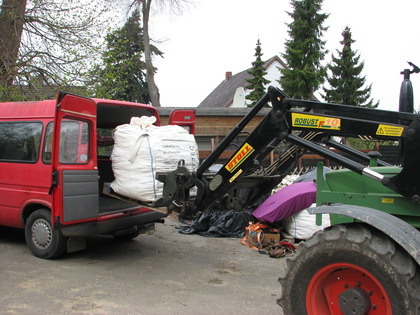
41, 233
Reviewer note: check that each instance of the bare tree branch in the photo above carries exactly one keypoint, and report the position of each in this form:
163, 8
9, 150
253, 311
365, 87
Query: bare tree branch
58, 40
145, 7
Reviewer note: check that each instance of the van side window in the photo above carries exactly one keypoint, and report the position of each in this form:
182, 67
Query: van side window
20, 141
74, 142
47, 150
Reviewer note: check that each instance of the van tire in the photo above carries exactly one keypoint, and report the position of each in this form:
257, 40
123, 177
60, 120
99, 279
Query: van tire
42, 239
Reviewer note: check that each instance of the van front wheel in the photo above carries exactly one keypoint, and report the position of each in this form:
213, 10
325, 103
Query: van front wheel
42, 240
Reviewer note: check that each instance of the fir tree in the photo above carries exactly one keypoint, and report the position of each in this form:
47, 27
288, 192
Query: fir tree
257, 82
345, 81
304, 50
122, 75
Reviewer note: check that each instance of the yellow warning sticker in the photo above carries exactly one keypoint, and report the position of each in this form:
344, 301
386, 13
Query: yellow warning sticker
243, 153
313, 121
387, 130
387, 200
235, 176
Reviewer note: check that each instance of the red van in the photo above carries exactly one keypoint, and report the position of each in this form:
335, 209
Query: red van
54, 161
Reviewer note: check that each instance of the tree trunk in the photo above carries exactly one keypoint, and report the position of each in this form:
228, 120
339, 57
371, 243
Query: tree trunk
11, 27
150, 69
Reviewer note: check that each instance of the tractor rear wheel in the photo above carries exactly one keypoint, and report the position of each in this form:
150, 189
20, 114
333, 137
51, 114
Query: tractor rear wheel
350, 269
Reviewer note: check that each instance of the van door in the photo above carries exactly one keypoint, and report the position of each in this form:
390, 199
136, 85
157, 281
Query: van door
74, 160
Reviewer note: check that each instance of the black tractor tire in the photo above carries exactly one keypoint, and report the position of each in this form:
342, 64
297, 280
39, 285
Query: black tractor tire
42, 239
350, 269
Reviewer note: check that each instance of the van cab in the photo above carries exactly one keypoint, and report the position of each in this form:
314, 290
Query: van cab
54, 165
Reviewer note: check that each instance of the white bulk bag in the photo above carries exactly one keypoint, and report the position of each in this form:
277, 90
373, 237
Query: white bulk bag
142, 149
302, 224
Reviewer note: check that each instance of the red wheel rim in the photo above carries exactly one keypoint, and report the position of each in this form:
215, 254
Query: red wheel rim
322, 296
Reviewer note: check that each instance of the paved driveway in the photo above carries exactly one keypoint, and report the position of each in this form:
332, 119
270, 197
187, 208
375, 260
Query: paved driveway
162, 273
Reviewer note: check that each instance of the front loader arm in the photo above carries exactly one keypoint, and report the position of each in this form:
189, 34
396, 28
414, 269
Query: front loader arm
299, 125
212, 189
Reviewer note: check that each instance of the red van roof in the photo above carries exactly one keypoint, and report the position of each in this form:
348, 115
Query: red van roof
152, 109
46, 108
38, 109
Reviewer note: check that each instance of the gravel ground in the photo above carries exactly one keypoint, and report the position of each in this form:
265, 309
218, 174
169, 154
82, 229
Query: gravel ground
161, 273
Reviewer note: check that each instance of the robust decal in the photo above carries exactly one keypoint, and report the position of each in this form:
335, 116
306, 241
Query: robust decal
387, 130
242, 154
312, 121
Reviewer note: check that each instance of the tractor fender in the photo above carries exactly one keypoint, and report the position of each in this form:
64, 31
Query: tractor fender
401, 232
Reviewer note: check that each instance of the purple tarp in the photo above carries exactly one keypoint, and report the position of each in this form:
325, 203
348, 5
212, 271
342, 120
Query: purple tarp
286, 201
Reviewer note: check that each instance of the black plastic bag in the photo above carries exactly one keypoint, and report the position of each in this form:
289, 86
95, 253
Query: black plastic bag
219, 223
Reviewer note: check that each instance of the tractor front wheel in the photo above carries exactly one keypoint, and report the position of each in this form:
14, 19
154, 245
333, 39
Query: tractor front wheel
350, 269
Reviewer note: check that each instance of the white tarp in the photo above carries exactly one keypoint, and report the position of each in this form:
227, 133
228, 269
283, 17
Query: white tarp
142, 149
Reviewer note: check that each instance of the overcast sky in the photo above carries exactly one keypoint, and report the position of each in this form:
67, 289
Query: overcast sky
212, 37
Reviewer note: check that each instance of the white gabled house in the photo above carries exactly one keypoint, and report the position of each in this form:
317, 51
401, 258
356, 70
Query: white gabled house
223, 95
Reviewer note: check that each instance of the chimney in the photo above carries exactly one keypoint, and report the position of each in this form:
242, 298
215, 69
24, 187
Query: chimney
228, 74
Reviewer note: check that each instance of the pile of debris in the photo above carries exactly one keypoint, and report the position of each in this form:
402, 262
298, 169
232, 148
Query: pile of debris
276, 226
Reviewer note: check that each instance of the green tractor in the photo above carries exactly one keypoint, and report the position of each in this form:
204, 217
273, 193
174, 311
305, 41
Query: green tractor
368, 261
